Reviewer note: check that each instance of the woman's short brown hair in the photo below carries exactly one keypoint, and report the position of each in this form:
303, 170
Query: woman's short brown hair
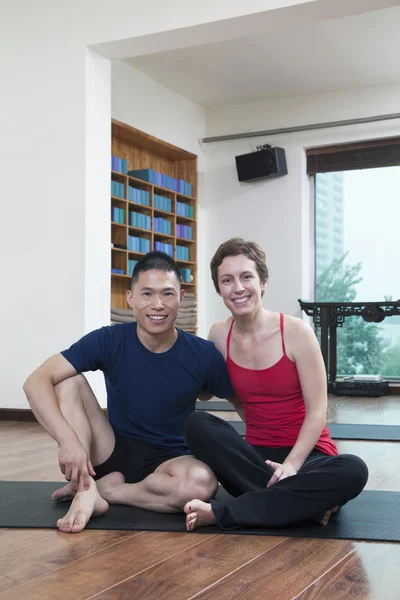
236, 246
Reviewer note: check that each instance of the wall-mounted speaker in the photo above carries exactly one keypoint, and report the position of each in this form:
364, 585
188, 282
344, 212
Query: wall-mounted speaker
262, 164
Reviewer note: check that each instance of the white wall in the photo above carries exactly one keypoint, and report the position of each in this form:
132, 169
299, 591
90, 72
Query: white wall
97, 202
278, 212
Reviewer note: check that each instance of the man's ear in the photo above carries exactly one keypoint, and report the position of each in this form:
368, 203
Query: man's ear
182, 295
129, 298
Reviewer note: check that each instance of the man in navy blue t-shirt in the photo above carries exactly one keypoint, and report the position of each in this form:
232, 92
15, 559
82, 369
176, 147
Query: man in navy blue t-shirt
154, 374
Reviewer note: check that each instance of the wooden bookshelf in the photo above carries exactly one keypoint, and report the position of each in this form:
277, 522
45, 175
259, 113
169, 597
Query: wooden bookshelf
143, 151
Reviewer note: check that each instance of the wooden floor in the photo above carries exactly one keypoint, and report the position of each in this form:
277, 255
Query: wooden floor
112, 565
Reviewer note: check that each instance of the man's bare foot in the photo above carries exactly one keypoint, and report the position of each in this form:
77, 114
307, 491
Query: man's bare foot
86, 504
198, 514
327, 515
107, 484
64, 493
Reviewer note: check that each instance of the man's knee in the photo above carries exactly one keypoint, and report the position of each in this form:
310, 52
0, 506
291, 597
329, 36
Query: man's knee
199, 482
70, 388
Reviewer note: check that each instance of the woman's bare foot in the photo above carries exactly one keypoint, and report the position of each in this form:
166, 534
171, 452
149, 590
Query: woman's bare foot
327, 515
86, 504
198, 514
64, 493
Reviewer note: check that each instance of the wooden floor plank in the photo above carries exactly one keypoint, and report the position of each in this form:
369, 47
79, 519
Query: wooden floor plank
26, 554
185, 575
93, 574
370, 573
378, 411
382, 459
282, 572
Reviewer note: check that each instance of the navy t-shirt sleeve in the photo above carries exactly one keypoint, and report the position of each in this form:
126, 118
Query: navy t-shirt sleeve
217, 379
92, 352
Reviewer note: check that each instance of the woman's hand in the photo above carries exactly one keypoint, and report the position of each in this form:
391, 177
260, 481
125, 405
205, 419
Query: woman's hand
281, 471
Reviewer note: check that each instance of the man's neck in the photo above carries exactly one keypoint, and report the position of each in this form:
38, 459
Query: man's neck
157, 343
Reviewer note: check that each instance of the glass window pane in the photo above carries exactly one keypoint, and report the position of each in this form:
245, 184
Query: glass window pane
357, 244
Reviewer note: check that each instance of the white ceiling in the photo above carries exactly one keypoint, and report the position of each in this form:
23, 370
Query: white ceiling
323, 56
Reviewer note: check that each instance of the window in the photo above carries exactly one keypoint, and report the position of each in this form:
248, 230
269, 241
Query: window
357, 255
357, 246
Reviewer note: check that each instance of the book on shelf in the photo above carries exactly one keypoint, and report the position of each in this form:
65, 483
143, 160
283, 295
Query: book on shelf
119, 164
163, 180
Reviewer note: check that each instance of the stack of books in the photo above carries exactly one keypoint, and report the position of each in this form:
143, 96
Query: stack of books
162, 203
117, 189
162, 226
177, 185
139, 220
186, 275
184, 210
182, 253
139, 196
162, 247
118, 215
184, 231
119, 164
138, 244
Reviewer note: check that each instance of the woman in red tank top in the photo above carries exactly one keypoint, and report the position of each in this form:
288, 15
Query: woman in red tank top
274, 361
276, 368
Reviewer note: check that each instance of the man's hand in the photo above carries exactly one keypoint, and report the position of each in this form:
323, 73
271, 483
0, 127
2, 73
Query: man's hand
281, 471
75, 464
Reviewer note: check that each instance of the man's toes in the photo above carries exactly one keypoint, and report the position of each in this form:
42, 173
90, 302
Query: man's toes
65, 525
78, 525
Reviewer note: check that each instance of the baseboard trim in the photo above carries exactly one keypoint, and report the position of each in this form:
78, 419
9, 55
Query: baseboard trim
21, 414
17, 414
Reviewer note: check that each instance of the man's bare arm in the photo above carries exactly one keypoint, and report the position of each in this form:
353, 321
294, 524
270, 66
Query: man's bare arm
40, 392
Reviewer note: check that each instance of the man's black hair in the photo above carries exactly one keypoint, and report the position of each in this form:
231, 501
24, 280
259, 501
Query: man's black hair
155, 260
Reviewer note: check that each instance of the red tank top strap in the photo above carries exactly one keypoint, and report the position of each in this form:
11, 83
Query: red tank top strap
282, 329
228, 339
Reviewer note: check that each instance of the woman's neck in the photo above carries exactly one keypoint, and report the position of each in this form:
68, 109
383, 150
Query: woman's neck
255, 323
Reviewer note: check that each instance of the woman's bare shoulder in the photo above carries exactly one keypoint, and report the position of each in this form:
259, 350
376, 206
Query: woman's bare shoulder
219, 332
298, 334
295, 325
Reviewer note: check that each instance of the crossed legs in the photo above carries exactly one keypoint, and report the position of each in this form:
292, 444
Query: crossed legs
168, 489
323, 483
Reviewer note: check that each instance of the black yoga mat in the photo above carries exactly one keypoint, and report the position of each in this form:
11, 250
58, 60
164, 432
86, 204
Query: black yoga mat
349, 431
372, 516
214, 405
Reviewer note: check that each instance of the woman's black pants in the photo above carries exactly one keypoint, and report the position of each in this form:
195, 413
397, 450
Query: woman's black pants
322, 483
